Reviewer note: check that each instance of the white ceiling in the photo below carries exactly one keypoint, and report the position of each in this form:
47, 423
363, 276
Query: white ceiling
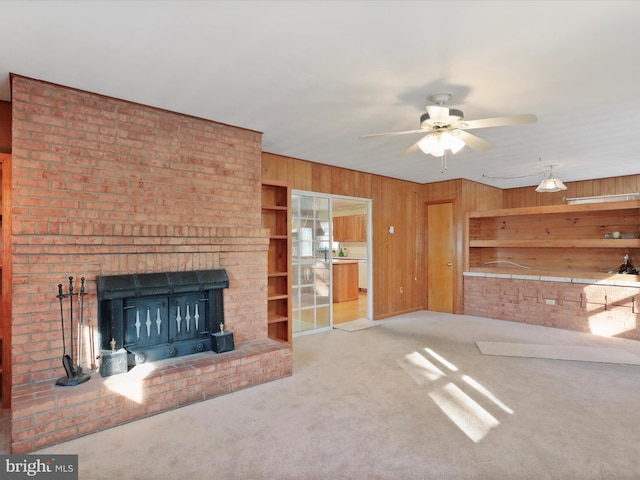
315, 75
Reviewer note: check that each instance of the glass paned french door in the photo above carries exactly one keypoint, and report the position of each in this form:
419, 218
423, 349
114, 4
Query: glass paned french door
311, 260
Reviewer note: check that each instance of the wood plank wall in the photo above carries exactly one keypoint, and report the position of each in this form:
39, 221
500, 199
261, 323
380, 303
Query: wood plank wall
5, 127
528, 197
397, 259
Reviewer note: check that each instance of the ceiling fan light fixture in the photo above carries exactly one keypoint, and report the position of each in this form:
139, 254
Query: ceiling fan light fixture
550, 184
436, 144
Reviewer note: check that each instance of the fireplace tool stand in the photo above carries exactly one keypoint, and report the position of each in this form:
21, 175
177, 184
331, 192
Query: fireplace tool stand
75, 376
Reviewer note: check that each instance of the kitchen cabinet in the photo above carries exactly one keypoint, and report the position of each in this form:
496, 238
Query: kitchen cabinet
557, 238
350, 228
338, 229
359, 232
345, 281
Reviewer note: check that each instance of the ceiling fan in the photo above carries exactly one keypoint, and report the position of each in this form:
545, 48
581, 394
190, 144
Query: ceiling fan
446, 129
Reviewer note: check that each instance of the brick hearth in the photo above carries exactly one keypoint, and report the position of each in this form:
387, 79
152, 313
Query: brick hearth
45, 414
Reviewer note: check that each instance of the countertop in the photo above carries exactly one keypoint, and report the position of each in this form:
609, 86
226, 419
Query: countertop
616, 280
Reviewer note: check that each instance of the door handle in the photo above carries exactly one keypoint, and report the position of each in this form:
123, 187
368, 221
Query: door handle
450, 264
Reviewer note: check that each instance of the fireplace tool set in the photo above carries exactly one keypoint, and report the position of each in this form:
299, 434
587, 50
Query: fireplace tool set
75, 376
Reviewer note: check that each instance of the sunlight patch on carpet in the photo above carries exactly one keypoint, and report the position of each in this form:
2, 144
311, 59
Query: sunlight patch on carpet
465, 412
420, 369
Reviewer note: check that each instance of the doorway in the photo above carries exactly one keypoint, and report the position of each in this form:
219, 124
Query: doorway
440, 237
331, 247
351, 270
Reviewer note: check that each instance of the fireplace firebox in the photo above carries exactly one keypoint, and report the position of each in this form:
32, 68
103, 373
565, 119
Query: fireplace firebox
153, 316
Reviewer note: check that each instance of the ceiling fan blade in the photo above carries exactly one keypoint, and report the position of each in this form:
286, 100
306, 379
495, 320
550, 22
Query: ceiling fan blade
393, 134
412, 149
500, 121
471, 141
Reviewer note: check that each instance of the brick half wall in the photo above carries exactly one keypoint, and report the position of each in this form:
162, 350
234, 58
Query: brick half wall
101, 186
602, 309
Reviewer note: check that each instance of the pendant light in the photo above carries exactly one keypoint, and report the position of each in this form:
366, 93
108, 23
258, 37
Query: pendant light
550, 184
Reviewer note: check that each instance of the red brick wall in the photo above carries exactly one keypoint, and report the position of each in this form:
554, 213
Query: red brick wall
103, 186
611, 310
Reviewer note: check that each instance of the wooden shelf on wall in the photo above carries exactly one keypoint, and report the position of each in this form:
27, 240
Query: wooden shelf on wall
276, 217
559, 243
557, 209
557, 238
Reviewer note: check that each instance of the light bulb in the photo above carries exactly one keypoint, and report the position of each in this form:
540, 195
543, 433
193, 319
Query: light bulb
451, 143
427, 143
438, 149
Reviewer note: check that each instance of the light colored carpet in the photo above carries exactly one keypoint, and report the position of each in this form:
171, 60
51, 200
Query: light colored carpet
355, 325
560, 352
412, 399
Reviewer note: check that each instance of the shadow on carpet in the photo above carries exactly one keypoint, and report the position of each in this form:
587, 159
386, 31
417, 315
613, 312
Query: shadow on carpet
355, 325
559, 352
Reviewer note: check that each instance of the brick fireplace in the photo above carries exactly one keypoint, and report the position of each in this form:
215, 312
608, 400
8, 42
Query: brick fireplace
101, 187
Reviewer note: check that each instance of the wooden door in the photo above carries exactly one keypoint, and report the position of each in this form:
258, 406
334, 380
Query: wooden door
440, 256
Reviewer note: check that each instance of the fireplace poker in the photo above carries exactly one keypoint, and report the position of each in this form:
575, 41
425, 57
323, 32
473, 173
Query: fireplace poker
74, 377
80, 323
71, 316
92, 350
66, 359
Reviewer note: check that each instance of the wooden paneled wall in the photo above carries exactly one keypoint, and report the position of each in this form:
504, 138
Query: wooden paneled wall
528, 197
5, 127
398, 258
397, 267
316, 177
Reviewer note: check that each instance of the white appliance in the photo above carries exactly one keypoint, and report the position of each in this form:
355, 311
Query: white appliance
363, 278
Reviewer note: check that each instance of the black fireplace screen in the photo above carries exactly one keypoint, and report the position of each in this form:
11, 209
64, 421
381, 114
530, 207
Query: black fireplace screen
160, 315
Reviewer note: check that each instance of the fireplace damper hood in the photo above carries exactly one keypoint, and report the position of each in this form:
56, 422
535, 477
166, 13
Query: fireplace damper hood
153, 316
167, 283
